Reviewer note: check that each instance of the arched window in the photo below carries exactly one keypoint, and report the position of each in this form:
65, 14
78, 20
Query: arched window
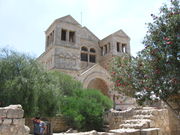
92, 55
92, 58
92, 50
84, 54
84, 48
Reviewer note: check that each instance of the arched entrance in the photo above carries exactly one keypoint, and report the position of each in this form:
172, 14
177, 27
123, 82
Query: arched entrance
99, 84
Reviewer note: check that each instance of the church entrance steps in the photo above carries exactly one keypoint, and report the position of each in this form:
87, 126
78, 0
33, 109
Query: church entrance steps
143, 117
148, 131
142, 121
137, 123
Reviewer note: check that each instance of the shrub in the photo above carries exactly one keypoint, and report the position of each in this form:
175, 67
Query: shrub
85, 108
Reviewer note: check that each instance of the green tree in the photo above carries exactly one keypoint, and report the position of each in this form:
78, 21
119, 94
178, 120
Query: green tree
23, 81
84, 110
155, 72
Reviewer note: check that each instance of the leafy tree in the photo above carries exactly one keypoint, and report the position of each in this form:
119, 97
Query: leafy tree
47, 93
85, 108
155, 72
23, 81
63, 83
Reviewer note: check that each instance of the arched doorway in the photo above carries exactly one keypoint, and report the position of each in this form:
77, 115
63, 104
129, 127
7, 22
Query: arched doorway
99, 84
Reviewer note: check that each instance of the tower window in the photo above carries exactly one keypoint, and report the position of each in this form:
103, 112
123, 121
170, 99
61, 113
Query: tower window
50, 39
124, 48
71, 36
118, 47
101, 51
63, 35
105, 49
109, 47
47, 41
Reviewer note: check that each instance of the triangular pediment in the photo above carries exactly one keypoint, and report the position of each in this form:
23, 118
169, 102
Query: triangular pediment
90, 34
120, 33
68, 19
96, 68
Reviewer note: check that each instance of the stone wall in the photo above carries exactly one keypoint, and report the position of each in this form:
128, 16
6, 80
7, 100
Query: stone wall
115, 118
174, 123
58, 124
12, 121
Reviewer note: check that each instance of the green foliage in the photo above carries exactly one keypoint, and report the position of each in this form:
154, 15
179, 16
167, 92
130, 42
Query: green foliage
22, 81
121, 70
85, 108
63, 83
163, 51
155, 72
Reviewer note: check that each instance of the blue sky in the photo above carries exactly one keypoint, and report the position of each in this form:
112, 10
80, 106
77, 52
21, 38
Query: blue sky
23, 22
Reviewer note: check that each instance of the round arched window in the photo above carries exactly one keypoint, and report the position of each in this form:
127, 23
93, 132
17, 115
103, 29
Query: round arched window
92, 50
92, 55
84, 48
84, 54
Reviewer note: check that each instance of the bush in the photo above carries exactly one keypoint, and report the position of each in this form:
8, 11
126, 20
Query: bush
85, 108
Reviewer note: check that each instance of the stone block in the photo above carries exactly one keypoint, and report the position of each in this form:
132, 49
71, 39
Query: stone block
7, 122
15, 113
150, 131
20, 122
1, 121
3, 112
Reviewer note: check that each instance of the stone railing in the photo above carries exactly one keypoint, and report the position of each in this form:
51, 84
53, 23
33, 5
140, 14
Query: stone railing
12, 121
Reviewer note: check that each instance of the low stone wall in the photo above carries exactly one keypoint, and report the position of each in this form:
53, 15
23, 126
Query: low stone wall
160, 120
115, 118
58, 124
12, 121
174, 123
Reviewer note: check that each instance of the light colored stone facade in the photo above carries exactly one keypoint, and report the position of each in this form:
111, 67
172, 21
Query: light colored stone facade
75, 50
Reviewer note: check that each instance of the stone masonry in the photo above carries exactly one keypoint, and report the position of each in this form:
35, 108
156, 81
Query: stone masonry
135, 121
139, 120
75, 50
12, 121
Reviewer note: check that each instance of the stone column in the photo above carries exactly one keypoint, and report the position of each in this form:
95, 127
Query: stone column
67, 35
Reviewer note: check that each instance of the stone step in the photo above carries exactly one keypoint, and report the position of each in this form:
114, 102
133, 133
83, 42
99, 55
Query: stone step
150, 123
136, 121
151, 117
147, 112
149, 131
136, 126
143, 112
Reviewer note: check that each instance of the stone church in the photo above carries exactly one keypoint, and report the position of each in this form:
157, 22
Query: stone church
75, 50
